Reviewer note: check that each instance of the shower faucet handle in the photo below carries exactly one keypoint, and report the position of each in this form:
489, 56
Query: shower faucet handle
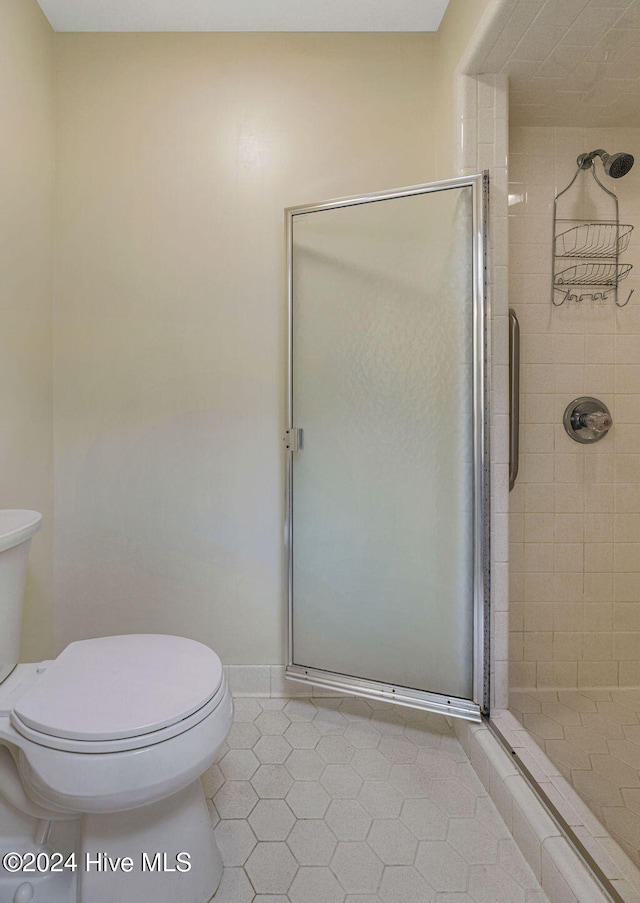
599, 421
587, 419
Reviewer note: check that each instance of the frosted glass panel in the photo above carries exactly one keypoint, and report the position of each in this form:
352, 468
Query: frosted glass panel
383, 485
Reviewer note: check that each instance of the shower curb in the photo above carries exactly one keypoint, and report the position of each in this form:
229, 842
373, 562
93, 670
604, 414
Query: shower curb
551, 847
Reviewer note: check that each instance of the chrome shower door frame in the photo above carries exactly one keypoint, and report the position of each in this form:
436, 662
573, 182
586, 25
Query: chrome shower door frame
469, 709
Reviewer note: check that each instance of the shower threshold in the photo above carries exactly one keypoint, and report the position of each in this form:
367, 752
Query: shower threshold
612, 867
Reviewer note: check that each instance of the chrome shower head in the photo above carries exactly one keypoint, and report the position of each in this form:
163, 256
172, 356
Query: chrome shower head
615, 165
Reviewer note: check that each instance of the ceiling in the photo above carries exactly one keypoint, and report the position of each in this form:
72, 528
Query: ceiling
569, 62
244, 15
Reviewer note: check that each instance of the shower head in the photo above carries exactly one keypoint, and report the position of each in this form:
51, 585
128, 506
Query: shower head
615, 165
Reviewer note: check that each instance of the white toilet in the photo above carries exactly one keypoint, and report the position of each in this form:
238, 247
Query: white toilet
103, 747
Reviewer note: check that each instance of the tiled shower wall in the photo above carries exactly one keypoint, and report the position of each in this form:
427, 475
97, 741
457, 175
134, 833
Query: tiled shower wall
574, 616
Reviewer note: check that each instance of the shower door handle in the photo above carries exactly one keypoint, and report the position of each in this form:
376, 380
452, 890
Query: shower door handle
514, 396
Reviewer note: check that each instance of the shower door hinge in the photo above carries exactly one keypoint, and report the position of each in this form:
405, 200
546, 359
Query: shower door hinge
292, 439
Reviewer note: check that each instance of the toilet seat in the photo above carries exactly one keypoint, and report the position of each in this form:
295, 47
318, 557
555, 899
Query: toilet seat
113, 694
122, 745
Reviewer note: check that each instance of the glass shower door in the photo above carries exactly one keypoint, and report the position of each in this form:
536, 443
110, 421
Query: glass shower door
386, 539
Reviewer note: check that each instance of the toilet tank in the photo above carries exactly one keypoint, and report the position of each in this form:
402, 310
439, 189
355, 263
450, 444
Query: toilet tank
17, 526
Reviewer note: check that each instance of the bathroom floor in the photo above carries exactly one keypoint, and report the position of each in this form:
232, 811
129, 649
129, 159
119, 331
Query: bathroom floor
593, 739
330, 800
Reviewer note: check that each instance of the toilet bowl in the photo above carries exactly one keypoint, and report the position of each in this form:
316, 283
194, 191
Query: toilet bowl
112, 737
116, 722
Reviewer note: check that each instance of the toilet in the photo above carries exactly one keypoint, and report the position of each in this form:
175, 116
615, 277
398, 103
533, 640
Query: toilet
103, 748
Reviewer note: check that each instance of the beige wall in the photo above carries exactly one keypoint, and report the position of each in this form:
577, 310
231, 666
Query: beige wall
176, 155
26, 245
575, 522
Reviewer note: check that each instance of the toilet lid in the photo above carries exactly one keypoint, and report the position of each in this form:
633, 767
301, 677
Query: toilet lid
121, 686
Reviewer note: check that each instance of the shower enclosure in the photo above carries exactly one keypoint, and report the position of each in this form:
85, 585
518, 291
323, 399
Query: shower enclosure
386, 533
574, 644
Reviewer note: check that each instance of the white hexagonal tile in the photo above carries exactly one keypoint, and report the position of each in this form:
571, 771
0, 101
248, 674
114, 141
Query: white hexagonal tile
333, 746
383, 705
341, 781
439, 724
450, 745
410, 781
380, 799
348, 819
272, 750
308, 799
530, 896
488, 816
214, 818
388, 721
464, 898
235, 799
234, 887
356, 867
404, 884
371, 765
436, 765
238, 765
420, 717
473, 841
272, 820
311, 842
302, 735
272, 781
421, 735
329, 720
315, 885
328, 699
454, 800
442, 866
300, 710
355, 709
466, 775
305, 765
212, 780
272, 723
511, 861
334, 749
243, 735
272, 703
271, 868
362, 735
398, 749
489, 882
235, 841
245, 709
392, 842
424, 819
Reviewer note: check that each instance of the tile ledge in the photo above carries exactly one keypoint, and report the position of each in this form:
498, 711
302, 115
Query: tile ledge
566, 878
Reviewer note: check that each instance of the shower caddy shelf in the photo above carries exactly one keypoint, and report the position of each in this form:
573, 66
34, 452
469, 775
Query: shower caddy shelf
587, 254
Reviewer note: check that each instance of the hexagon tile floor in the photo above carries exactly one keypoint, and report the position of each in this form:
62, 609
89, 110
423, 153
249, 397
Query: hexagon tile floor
330, 800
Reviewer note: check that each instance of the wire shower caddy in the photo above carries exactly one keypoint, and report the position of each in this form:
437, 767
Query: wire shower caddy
586, 254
